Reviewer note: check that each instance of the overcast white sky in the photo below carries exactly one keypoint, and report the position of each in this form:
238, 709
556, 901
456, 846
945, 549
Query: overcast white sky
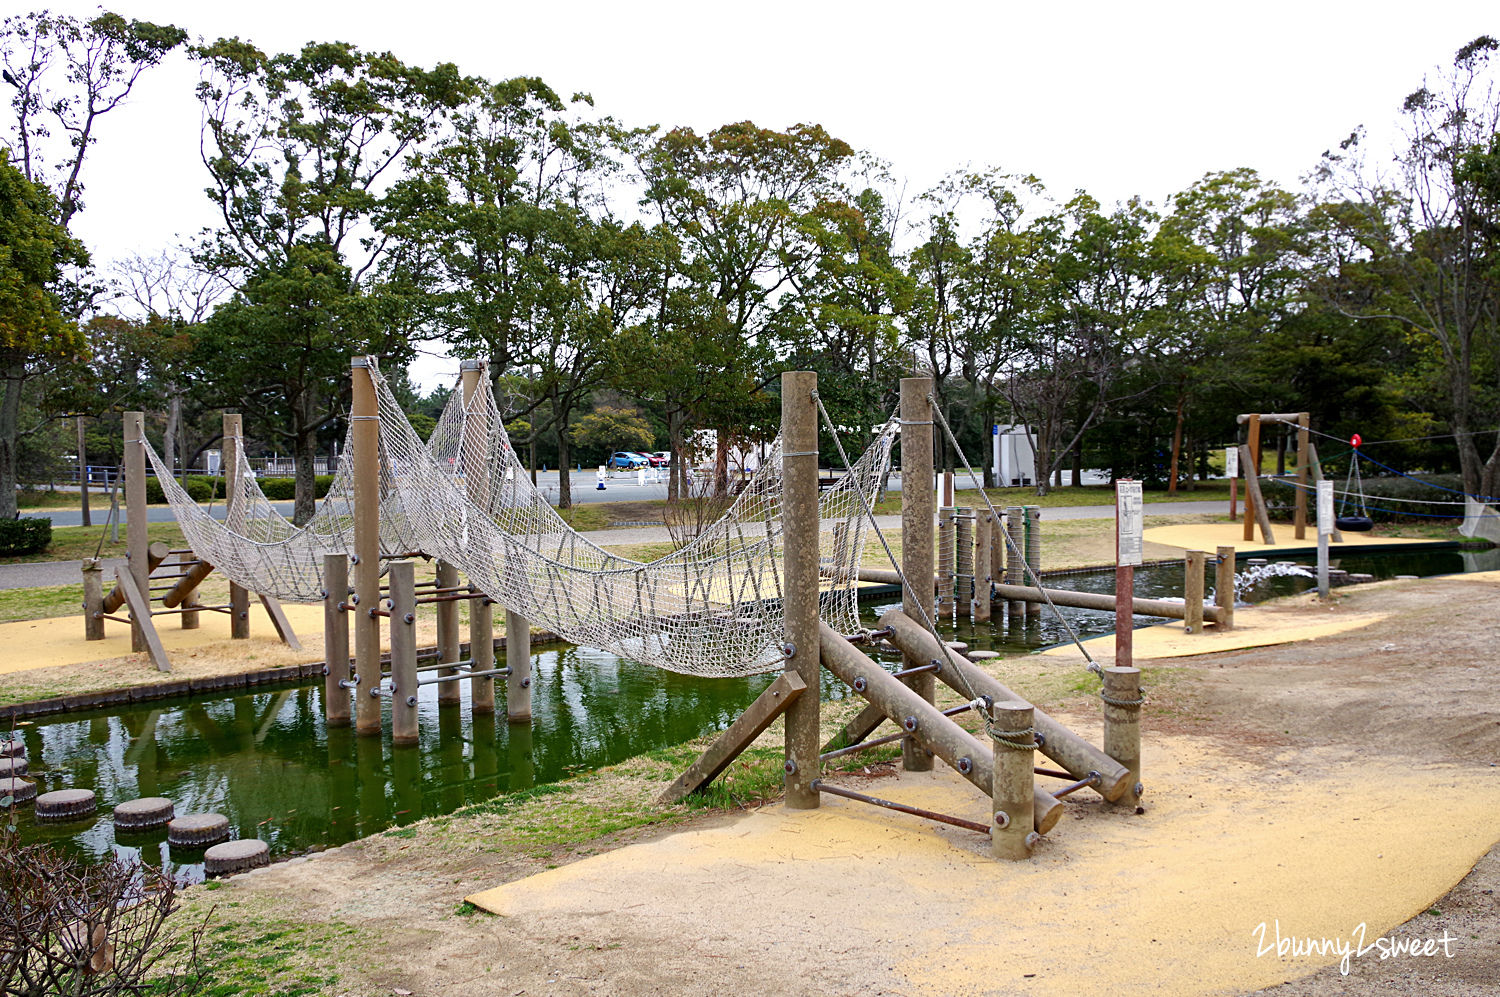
1116, 98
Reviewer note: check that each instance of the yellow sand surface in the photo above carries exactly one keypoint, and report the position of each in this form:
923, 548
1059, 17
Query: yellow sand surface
1208, 536
1166, 903
59, 640
1252, 628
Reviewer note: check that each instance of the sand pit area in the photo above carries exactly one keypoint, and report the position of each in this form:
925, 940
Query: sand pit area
1339, 790
1210, 536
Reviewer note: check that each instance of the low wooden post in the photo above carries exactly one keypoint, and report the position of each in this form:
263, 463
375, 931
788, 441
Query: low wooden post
234, 443
1033, 534
448, 641
336, 639
917, 504
984, 554
799, 470
93, 599
136, 539
481, 653
1014, 783
403, 602
1015, 555
963, 560
1192, 592
1122, 727
1224, 588
997, 552
947, 560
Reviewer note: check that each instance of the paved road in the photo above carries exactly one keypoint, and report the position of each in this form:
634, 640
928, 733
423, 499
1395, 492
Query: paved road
67, 572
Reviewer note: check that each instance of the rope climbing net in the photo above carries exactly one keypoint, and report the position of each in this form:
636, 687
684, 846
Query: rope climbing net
711, 608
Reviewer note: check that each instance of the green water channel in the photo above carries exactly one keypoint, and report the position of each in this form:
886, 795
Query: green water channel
267, 761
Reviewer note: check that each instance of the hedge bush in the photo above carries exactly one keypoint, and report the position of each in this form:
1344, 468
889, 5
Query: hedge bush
24, 536
202, 487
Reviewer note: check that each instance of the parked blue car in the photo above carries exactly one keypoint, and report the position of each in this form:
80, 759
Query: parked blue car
624, 460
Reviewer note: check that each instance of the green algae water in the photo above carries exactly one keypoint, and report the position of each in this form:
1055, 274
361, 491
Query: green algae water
267, 761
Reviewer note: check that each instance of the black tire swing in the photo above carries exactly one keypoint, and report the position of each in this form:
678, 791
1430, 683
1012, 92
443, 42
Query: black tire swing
1359, 521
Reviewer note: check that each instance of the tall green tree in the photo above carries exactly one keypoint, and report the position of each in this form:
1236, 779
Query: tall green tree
35, 333
1419, 247
301, 150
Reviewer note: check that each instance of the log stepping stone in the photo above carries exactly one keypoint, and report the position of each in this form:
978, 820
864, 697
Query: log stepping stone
13, 748
1360, 579
1406, 578
1256, 560
143, 814
236, 856
197, 830
19, 790
981, 655
65, 804
958, 646
12, 767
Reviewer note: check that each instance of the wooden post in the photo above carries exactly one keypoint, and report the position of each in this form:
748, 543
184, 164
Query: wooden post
365, 415
140, 611
799, 469
1300, 527
942, 736
136, 537
233, 449
917, 505
1251, 470
997, 552
984, 555
1122, 726
963, 561
1015, 555
1033, 533
336, 639
518, 660
1224, 588
1192, 592
1014, 785
404, 688
947, 552
448, 641
93, 599
481, 653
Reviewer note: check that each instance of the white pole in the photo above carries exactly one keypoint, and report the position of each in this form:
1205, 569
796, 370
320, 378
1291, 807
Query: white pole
1325, 526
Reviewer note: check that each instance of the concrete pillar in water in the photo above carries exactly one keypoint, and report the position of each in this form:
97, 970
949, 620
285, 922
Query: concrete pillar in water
336, 638
448, 642
963, 574
404, 687
1033, 531
984, 544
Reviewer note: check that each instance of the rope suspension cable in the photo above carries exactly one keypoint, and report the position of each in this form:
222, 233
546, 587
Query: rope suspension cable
978, 703
1093, 665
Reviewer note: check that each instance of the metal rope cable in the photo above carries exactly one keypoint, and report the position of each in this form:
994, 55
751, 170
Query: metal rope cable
979, 703
1093, 665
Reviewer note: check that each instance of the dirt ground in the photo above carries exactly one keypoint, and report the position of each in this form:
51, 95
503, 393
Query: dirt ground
1413, 694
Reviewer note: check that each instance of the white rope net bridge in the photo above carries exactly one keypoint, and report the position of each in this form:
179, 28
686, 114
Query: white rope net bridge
712, 608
